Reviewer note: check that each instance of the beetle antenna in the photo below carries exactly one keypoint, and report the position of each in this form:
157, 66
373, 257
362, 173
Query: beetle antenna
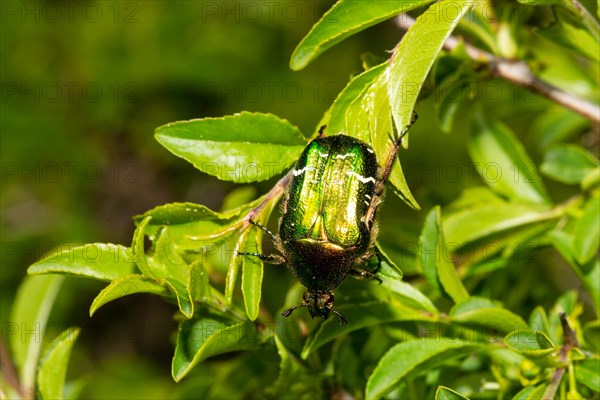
343, 321
287, 312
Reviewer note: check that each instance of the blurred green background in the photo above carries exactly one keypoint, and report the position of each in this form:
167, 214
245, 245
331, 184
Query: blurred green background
84, 85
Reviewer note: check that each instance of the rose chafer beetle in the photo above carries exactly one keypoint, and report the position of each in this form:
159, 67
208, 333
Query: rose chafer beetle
328, 228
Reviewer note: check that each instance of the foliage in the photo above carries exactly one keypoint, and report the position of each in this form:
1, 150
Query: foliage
470, 315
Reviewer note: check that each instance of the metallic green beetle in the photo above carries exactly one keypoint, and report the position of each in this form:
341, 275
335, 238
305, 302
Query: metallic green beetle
328, 227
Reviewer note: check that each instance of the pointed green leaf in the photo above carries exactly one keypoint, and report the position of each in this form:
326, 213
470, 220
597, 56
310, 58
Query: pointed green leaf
502, 162
490, 318
194, 227
137, 250
483, 220
167, 263
198, 340
252, 274
246, 147
184, 298
413, 57
412, 356
102, 261
361, 315
568, 163
444, 393
433, 256
199, 285
344, 19
53, 368
529, 343
587, 233
532, 392
29, 313
409, 295
588, 373
125, 286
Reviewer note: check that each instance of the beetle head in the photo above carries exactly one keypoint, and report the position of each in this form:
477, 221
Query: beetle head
320, 304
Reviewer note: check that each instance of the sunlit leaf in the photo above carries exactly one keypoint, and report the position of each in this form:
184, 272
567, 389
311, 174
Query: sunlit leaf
102, 261
344, 19
502, 162
568, 163
411, 356
29, 313
413, 57
53, 367
199, 339
125, 286
245, 147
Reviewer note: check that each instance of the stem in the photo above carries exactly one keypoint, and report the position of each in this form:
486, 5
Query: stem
570, 341
587, 19
518, 73
9, 372
275, 192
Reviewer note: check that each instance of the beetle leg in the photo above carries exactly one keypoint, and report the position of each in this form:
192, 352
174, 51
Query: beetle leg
363, 274
321, 131
264, 229
268, 258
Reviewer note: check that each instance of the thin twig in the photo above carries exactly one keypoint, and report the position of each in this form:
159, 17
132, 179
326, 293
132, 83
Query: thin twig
569, 342
518, 73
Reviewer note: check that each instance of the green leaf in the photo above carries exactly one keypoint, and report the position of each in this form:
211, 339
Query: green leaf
413, 356
587, 232
137, 250
538, 320
588, 373
102, 261
591, 179
413, 57
199, 339
344, 19
483, 220
359, 316
486, 314
529, 343
125, 286
342, 113
502, 162
199, 285
569, 32
568, 163
194, 227
434, 258
246, 147
556, 125
252, 273
362, 110
444, 393
167, 263
409, 295
34, 300
184, 298
532, 392
53, 368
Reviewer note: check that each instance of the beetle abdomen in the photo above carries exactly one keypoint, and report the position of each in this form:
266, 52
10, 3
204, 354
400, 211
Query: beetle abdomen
319, 266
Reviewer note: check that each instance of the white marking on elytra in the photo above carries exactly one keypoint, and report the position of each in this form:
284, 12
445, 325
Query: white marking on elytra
344, 156
367, 203
370, 150
323, 154
367, 196
297, 172
360, 177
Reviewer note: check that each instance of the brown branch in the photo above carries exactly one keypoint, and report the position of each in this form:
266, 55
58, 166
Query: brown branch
518, 73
